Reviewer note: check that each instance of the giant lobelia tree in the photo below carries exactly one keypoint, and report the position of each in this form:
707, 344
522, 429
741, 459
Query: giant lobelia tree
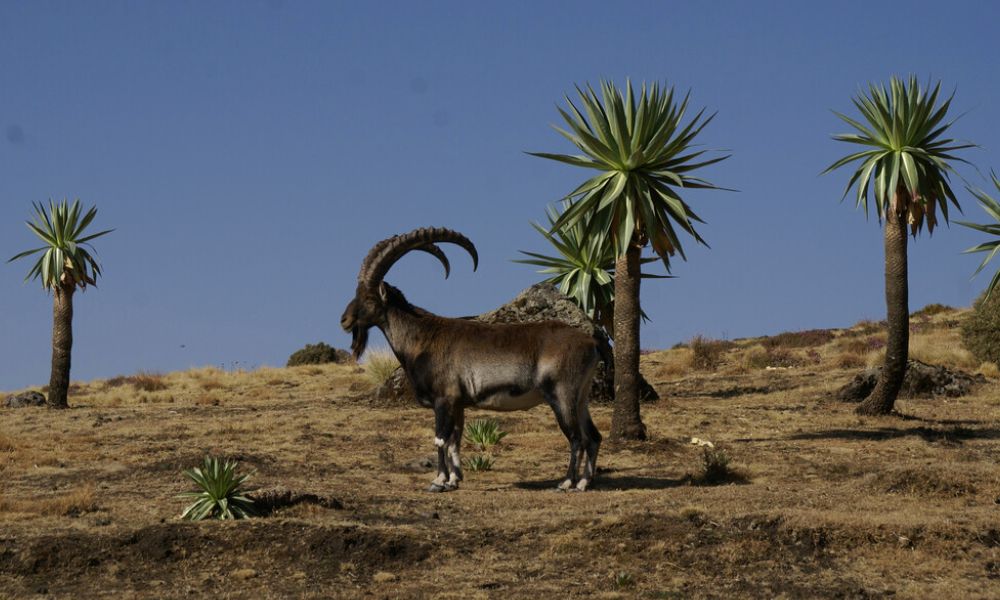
64, 265
992, 208
906, 163
642, 150
583, 269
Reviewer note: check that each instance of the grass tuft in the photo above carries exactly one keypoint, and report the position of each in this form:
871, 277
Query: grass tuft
380, 365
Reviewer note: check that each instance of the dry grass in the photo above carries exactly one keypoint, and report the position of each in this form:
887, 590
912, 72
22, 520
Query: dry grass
988, 369
826, 505
939, 349
379, 365
70, 504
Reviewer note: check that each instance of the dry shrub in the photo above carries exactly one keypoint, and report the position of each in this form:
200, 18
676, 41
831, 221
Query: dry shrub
706, 354
933, 309
754, 358
853, 345
800, 339
379, 365
143, 381
211, 384
117, 381
148, 382
75, 502
849, 360
868, 327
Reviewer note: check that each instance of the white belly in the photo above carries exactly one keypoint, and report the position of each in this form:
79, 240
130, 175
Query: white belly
502, 401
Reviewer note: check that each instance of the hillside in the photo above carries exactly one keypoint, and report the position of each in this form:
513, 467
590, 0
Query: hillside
819, 502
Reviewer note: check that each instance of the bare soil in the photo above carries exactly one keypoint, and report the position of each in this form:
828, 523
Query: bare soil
822, 503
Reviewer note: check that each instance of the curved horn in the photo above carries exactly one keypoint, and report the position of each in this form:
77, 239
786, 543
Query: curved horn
385, 253
438, 254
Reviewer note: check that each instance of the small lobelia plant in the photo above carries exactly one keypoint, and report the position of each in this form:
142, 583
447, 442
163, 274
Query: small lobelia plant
219, 494
484, 433
478, 462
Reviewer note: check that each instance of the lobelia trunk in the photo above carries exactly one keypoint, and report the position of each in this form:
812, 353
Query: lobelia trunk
626, 423
62, 345
883, 397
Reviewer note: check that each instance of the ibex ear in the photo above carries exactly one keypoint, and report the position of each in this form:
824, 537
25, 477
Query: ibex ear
383, 292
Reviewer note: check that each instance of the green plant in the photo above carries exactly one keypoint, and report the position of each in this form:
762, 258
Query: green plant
979, 329
380, 365
317, 354
584, 268
623, 579
992, 208
907, 160
64, 265
478, 462
219, 494
643, 154
484, 433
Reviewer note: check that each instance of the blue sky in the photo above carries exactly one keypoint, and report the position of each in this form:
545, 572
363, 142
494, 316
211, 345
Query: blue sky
250, 153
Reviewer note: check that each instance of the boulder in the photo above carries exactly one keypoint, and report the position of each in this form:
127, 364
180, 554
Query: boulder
25, 399
540, 302
921, 381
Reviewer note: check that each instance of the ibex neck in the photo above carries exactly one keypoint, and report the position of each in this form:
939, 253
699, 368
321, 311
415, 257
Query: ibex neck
404, 329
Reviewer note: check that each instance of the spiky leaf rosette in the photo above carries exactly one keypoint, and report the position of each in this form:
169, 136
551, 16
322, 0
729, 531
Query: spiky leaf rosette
906, 159
642, 150
584, 267
220, 493
992, 208
65, 260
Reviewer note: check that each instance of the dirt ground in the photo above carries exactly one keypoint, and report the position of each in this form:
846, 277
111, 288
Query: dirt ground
823, 504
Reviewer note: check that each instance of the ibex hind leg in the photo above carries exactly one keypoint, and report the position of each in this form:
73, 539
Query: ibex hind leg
564, 407
591, 444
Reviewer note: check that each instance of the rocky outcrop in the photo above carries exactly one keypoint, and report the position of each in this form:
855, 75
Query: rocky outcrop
922, 381
25, 399
540, 302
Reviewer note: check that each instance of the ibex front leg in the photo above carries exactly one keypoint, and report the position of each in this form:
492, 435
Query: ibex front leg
444, 429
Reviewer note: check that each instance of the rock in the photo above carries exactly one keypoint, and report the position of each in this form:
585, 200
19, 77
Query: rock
540, 302
25, 399
922, 381
384, 577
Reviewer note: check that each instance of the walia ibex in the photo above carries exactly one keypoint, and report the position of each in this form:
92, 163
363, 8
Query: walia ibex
454, 364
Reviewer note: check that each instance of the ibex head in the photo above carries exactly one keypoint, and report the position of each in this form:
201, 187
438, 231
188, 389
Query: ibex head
371, 300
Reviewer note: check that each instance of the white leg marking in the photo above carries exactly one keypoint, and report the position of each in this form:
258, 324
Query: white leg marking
438, 442
456, 460
582, 485
439, 480
565, 485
